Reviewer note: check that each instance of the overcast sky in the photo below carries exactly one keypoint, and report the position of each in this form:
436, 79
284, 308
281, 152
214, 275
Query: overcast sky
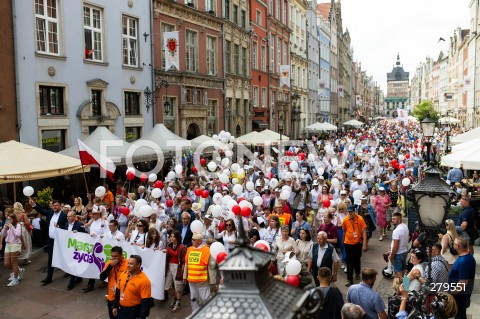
381, 28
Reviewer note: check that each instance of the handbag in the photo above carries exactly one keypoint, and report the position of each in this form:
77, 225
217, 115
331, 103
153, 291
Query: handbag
453, 251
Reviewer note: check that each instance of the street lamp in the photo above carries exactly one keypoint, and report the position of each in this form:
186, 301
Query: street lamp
428, 129
280, 130
431, 198
151, 96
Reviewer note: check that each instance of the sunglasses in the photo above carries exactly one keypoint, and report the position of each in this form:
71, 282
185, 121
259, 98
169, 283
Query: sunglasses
228, 225
140, 225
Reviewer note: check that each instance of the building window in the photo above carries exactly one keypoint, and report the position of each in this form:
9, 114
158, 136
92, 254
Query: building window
164, 28
93, 33
279, 54
243, 19
277, 11
271, 44
51, 100
255, 55
96, 102
235, 14
264, 58
132, 103
211, 55
236, 61
210, 5
212, 108
46, 26
285, 6
258, 18
270, 7
227, 9
264, 97
129, 40
244, 62
173, 106
228, 51
191, 51
255, 96
53, 140
132, 133
285, 50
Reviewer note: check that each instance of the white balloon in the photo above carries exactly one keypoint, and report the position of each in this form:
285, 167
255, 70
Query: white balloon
152, 177
231, 203
196, 226
225, 162
232, 139
215, 137
234, 181
273, 183
357, 194
223, 178
255, 154
212, 166
246, 203
250, 186
145, 211
401, 157
226, 172
216, 248
237, 189
311, 157
406, 182
171, 175
294, 166
130, 169
285, 194
226, 199
156, 193
335, 182
231, 216
321, 170
140, 202
28, 191
216, 210
287, 188
264, 242
293, 267
235, 167
257, 201
334, 161
178, 169
229, 153
100, 191
217, 198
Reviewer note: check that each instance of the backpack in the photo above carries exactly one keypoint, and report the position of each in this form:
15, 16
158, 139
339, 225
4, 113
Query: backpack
453, 251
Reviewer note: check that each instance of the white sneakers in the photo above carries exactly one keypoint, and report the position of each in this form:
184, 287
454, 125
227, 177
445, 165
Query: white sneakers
20, 273
14, 282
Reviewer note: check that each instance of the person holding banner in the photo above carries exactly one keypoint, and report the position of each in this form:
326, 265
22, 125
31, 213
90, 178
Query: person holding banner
113, 269
196, 271
97, 227
133, 297
73, 226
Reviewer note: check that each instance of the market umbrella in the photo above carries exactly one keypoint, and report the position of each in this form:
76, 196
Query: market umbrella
353, 123
448, 120
470, 158
468, 136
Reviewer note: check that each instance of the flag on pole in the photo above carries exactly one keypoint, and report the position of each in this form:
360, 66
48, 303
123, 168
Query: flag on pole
410, 137
285, 75
170, 45
341, 91
358, 100
90, 157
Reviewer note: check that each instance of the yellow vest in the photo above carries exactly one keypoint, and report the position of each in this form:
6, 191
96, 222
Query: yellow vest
197, 263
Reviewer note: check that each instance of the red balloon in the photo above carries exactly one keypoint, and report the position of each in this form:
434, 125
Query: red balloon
221, 257
130, 176
270, 175
292, 280
402, 166
301, 156
125, 210
203, 161
237, 210
287, 163
197, 192
158, 184
396, 166
246, 211
194, 169
326, 203
240, 200
221, 226
169, 203
262, 246
407, 156
143, 177
205, 194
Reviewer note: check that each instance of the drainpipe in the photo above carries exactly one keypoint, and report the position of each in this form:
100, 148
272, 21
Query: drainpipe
152, 63
17, 80
225, 120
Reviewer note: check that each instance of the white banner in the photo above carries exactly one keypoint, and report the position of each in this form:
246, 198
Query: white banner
285, 75
170, 45
81, 255
402, 115
358, 100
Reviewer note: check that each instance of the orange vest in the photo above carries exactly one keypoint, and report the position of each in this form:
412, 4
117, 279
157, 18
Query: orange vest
197, 263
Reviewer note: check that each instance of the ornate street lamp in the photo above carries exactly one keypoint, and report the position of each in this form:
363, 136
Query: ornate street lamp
428, 129
280, 130
151, 96
431, 198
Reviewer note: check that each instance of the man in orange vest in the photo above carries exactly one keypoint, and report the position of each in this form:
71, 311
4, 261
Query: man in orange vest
354, 241
113, 269
196, 271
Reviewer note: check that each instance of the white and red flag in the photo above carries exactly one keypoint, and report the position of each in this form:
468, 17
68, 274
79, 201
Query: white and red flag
90, 157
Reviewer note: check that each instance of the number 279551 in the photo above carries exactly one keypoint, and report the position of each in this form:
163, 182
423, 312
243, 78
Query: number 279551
459, 286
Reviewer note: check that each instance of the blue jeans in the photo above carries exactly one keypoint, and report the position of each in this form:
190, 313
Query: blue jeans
340, 244
400, 262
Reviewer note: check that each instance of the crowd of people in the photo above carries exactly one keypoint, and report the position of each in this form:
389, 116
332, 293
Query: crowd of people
320, 206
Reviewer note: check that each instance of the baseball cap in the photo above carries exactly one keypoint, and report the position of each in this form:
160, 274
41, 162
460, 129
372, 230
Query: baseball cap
359, 177
381, 189
343, 193
351, 208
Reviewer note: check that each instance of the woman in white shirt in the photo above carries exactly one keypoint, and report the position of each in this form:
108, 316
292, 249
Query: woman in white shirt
229, 235
138, 236
154, 242
273, 230
416, 258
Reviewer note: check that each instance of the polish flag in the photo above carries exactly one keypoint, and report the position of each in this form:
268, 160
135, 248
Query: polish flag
90, 157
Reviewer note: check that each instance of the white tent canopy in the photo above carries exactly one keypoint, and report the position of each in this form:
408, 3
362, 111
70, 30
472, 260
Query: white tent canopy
273, 136
164, 139
448, 120
466, 137
322, 127
470, 158
466, 145
202, 139
254, 138
353, 123
108, 144
21, 162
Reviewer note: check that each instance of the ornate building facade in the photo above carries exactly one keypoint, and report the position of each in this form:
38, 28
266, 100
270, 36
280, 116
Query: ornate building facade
397, 89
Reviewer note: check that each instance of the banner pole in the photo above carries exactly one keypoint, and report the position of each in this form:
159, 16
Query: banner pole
85, 179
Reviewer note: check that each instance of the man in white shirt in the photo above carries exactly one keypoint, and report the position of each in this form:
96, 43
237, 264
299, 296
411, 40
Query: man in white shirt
113, 231
97, 226
398, 255
359, 185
